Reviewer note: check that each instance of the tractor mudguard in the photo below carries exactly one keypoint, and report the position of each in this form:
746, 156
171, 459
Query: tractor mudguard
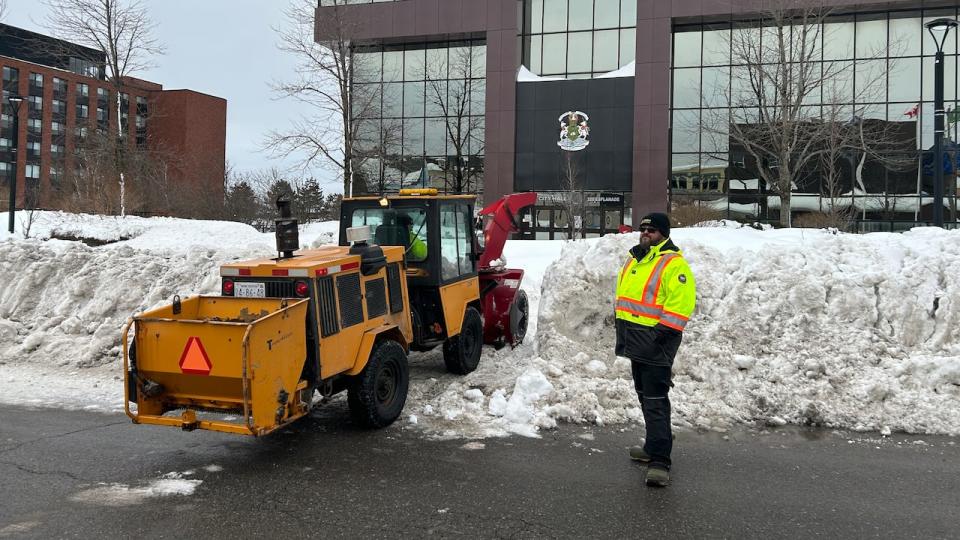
390, 331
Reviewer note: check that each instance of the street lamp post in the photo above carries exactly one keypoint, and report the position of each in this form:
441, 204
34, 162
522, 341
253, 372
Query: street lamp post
15, 102
939, 29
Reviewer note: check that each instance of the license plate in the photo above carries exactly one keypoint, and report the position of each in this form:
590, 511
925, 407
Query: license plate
250, 290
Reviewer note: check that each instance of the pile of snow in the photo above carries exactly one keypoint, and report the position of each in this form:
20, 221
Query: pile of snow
798, 326
801, 327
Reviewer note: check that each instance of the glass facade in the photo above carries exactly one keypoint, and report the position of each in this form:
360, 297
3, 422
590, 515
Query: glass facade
578, 38
419, 113
876, 70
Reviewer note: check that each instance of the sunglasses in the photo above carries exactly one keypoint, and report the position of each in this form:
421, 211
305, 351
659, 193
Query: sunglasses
647, 229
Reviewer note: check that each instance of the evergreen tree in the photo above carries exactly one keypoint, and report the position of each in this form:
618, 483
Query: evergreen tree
279, 188
242, 203
309, 201
331, 207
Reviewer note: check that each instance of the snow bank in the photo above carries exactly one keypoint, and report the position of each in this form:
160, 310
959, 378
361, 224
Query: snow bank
805, 327
799, 326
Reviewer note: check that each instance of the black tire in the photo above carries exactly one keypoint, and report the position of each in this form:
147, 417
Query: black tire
519, 317
378, 394
309, 374
461, 353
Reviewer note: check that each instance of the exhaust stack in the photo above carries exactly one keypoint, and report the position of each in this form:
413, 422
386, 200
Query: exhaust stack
288, 235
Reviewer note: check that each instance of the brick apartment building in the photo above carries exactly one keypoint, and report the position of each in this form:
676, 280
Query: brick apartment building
65, 97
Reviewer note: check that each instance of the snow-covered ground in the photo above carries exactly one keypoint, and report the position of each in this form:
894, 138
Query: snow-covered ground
792, 326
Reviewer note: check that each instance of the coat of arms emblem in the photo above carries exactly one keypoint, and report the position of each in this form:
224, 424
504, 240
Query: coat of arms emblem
574, 131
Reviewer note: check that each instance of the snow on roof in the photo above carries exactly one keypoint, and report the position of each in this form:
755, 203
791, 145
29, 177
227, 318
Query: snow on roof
525, 75
628, 70
799, 326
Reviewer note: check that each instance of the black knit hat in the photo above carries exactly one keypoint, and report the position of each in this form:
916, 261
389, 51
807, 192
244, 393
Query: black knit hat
658, 221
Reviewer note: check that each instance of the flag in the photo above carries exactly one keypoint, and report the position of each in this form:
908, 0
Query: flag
913, 111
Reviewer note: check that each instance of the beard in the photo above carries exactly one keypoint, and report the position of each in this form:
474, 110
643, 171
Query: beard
645, 242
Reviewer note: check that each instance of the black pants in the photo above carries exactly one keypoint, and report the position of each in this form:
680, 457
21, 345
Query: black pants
653, 385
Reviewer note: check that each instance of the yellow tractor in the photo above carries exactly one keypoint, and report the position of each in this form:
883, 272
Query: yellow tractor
409, 275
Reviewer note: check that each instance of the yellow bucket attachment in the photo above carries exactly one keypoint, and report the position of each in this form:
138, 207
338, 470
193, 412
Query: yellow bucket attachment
239, 357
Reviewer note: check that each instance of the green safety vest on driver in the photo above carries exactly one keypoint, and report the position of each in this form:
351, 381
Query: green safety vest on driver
418, 248
659, 288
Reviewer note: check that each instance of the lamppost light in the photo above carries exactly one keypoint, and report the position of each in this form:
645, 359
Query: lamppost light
939, 28
15, 102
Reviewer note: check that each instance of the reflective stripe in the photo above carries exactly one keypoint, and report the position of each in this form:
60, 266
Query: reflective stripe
647, 306
626, 267
653, 284
636, 308
673, 320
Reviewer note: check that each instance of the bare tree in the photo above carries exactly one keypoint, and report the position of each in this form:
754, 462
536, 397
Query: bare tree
330, 132
3, 9
451, 89
778, 81
573, 201
87, 181
123, 31
377, 156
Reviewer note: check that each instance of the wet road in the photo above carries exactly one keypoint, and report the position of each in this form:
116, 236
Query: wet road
84, 475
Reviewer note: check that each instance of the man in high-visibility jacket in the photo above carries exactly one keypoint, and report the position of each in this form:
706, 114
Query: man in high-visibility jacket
416, 247
656, 294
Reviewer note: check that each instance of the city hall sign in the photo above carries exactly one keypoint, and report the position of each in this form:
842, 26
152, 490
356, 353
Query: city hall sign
574, 131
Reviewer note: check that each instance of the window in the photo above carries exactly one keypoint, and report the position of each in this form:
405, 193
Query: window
396, 227
34, 104
34, 125
83, 90
10, 75
578, 38
410, 87
59, 86
56, 173
33, 149
57, 150
103, 114
5, 144
59, 107
6, 170
80, 132
103, 94
455, 244
33, 171
36, 80
83, 111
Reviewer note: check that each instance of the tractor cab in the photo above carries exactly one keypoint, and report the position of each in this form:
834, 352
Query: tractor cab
440, 253
436, 232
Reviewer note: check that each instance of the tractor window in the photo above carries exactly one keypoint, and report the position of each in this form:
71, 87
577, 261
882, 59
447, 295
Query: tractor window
455, 230
396, 227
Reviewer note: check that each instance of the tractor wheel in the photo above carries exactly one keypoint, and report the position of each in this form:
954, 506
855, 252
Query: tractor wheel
461, 353
378, 393
519, 316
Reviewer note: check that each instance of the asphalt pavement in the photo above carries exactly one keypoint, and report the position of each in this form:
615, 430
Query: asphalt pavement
68, 474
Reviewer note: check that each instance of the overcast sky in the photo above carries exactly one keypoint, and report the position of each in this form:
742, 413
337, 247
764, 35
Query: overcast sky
226, 48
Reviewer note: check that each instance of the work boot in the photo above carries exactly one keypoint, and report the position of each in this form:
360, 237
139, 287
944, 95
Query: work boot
637, 454
657, 477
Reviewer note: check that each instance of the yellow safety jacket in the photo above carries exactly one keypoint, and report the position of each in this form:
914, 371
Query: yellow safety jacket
418, 248
659, 288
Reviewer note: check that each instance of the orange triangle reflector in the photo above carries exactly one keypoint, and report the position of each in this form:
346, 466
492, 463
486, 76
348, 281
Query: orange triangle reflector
194, 359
